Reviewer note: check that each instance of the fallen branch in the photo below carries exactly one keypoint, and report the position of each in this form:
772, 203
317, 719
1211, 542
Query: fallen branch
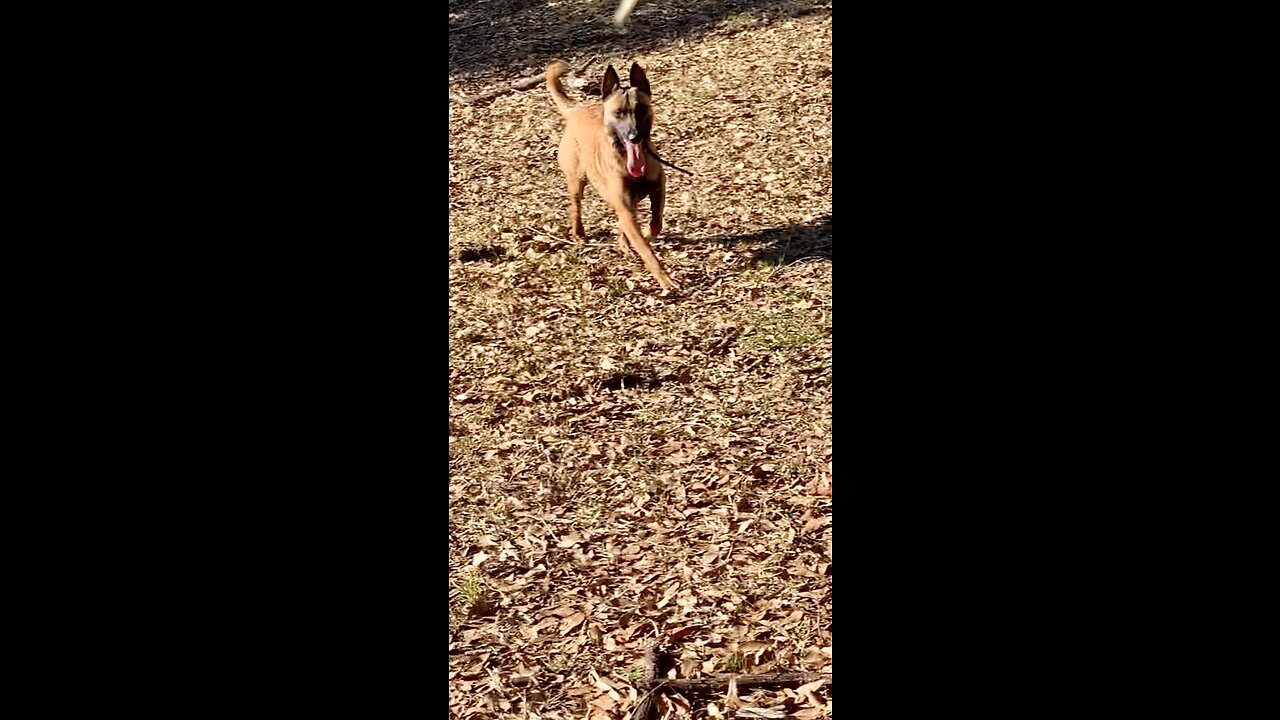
656, 661
782, 679
523, 84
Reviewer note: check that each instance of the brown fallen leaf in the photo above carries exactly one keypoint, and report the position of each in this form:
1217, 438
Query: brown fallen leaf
604, 702
672, 706
568, 624
603, 684
689, 667
668, 594
814, 524
755, 712
808, 690
569, 540
814, 658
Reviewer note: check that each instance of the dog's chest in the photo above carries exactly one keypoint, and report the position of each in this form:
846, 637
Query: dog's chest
638, 187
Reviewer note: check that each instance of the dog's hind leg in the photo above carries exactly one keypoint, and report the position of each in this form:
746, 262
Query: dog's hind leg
657, 202
574, 183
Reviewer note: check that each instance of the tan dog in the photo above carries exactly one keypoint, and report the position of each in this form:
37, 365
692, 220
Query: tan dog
609, 144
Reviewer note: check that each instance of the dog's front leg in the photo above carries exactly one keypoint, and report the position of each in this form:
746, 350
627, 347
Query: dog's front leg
627, 224
624, 247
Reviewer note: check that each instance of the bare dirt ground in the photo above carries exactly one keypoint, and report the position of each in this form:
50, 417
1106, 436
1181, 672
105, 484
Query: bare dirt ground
628, 466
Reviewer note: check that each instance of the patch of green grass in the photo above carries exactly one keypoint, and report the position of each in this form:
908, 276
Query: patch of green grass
460, 449
589, 513
692, 94
496, 512
574, 252
617, 288
732, 663
785, 330
756, 272
476, 599
651, 418
635, 674
470, 589
733, 18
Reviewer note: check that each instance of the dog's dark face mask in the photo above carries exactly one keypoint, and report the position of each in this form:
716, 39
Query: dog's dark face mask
628, 116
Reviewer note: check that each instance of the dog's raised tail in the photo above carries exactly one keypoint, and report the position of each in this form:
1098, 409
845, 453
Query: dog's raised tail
554, 71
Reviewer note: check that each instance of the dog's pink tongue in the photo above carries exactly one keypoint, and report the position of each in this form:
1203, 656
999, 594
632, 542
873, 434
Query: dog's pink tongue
635, 159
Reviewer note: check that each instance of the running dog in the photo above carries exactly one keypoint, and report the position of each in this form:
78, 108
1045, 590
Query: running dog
609, 145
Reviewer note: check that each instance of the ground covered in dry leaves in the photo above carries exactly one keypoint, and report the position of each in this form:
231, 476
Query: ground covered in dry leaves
629, 466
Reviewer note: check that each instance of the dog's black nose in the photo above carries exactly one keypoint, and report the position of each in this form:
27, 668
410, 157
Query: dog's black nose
633, 136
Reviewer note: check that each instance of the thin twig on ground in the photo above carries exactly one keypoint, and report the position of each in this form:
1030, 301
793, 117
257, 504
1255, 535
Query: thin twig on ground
522, 84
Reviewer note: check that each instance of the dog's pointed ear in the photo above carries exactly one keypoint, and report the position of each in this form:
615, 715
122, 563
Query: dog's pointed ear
638, 79
609, 83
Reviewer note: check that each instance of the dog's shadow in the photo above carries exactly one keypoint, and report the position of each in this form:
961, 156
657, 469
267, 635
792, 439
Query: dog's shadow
776, 246
785, 244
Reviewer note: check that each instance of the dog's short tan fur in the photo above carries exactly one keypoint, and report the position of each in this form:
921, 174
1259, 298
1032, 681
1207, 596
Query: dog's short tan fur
608, 144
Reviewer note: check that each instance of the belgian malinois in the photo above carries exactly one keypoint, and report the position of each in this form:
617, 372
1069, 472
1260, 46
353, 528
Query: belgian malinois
609, 144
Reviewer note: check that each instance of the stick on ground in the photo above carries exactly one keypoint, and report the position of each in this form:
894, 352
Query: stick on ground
653, 682
522, 84
782, 679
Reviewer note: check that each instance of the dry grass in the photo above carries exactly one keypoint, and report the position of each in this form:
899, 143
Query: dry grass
627, 464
